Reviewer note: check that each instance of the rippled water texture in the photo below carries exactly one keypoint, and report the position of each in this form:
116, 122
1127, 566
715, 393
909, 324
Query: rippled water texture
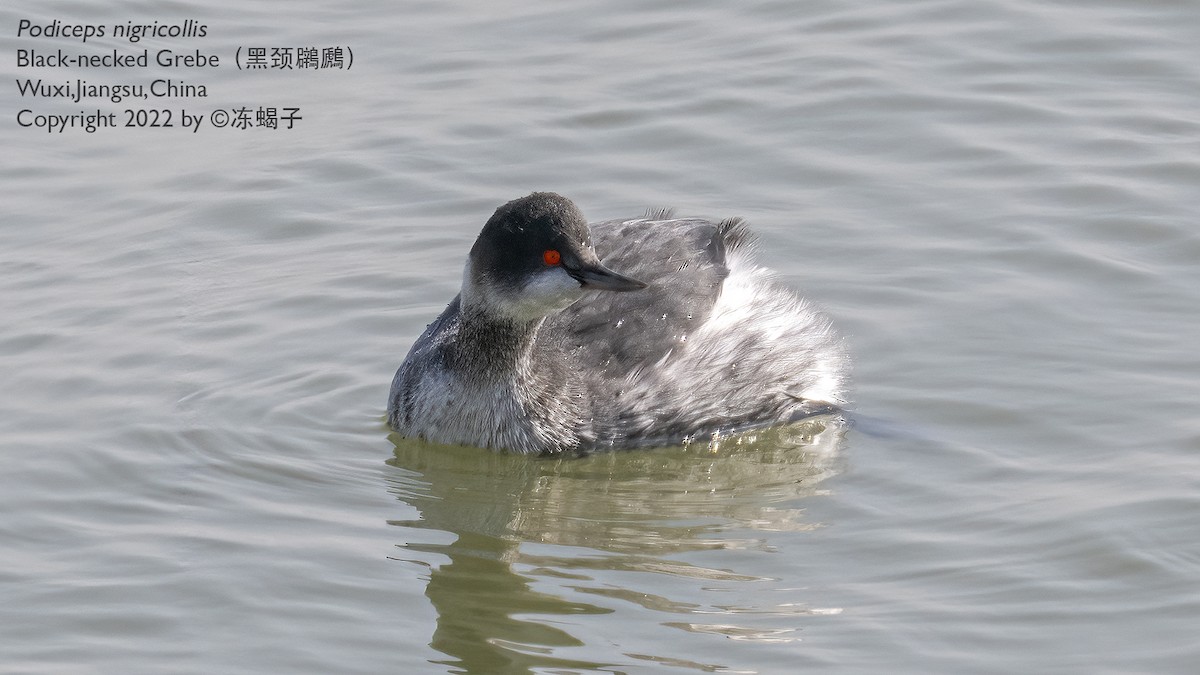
995, 201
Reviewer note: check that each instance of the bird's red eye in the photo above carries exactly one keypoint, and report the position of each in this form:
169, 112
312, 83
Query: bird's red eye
551, 257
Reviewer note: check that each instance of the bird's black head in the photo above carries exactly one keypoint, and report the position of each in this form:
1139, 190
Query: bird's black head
535, 256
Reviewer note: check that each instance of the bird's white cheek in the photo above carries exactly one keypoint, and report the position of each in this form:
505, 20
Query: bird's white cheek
550, 291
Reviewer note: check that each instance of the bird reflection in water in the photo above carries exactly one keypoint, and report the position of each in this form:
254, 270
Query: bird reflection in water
543, 547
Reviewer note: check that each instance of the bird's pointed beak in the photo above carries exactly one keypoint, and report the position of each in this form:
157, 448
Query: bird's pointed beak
598, 277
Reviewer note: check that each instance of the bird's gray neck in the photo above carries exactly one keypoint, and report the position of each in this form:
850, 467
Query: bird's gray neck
497, 347
527, 379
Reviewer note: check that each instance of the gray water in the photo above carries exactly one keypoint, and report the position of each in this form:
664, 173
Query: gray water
995, 201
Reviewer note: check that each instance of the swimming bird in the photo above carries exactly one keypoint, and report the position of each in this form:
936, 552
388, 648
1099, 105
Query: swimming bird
548, 350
